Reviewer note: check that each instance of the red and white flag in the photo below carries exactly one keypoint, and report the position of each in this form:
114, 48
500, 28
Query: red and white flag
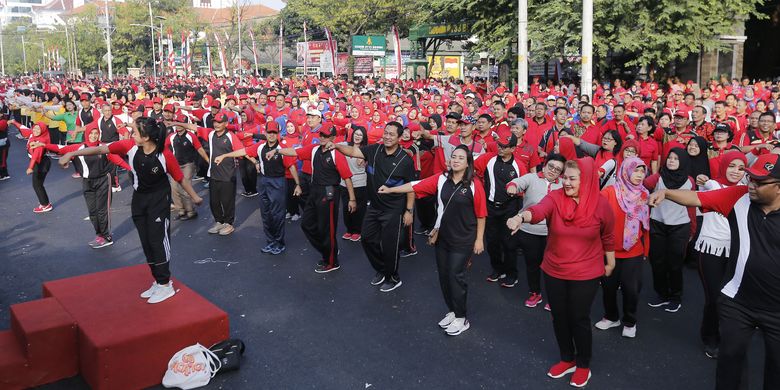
397, 52
221, 54
171, 61
332, 49
305, 49
254, 50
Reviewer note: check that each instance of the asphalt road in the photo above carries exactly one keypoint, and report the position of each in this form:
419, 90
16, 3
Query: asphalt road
335, 331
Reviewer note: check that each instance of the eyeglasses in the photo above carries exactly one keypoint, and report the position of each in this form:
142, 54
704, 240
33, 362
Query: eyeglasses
758, 184
554, 169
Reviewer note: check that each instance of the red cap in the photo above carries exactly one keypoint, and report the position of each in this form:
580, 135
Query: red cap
323, 95
272, 127
84, 96
220, 117
216, 104
243, 97
169, 107
765, 167
157, 99
681, 113
232, 97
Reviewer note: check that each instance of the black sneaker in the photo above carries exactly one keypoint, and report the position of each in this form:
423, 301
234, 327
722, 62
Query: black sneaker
658, 302
495, 277
378, 279
390, 285
673, 307
403, 253
508, 282
325, 268
711, 352
320, 263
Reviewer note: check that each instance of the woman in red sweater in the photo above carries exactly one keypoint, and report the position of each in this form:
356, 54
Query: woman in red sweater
581, 229
628, 200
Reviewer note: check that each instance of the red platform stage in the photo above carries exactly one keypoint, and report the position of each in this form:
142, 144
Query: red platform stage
98, 326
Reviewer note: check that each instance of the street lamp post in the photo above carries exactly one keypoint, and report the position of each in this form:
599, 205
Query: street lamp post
522, 46
24, 55
151, 35
108, 45
586, 83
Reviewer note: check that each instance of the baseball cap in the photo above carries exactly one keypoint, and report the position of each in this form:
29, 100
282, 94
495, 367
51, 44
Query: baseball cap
84, 96
765, 167
272, 127
724, 127
683, 113
509, 141
216, 104
232, 97
471, 95
169, 107
550, 97
467, 119
453, 115
328, 131
157, 99
220, 117
314, 112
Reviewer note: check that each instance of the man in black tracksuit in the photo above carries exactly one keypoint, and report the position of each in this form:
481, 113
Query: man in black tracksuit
320, 214
498, 170
386, 165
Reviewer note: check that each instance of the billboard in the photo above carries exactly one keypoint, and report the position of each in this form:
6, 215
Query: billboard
369, 45
312, 53
445, 66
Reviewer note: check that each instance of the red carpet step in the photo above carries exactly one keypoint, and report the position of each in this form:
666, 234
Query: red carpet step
41, 346
98, 326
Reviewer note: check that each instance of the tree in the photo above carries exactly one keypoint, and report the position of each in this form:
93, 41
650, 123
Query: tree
648, 32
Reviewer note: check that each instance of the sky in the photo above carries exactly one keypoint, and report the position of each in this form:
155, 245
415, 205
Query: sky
275, 4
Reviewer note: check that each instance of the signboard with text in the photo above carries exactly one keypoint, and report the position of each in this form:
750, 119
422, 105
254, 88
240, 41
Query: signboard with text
369, 45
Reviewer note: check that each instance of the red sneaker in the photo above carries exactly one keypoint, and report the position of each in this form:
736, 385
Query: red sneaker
533, 300
355, 237
42, 208
580, 377
347, 236
561, 368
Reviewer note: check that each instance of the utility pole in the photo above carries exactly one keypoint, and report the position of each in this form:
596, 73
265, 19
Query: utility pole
151, 32
24, 55
108, 45
522, 46
240, 65
586, 83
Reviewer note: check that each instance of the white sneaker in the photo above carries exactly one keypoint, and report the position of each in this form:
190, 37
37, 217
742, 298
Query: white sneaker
295, 217
148, 293
287, 216
605, 324
629, 331
116, 189
458, 326
216, 228
162, 293
447, 320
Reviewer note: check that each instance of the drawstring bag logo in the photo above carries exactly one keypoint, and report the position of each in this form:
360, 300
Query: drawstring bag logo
192, 367
769, 166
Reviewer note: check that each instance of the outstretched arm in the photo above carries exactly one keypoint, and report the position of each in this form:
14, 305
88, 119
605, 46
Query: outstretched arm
93, 151
402, 189
236, 153
686, 198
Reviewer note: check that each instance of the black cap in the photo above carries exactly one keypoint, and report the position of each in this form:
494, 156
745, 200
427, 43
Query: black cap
453, 115
507, 142
724, 127
328, 131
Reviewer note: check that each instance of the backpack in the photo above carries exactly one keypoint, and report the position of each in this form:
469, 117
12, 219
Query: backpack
229, 353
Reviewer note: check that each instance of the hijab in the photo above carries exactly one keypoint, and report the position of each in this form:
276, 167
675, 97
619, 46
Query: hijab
580, 214
674, 179
724, 162
43, 137
566, 148
700, 164
632, 199
631, 143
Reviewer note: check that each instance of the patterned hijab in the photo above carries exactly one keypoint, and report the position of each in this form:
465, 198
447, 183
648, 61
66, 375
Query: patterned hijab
632, 199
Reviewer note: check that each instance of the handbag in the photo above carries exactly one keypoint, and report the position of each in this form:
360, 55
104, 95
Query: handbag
229, 353
191, 367
433, 236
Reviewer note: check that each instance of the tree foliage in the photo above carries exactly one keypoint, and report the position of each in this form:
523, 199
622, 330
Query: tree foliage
649, 32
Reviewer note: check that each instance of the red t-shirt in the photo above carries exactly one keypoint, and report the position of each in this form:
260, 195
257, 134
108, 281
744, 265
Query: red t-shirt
575, 252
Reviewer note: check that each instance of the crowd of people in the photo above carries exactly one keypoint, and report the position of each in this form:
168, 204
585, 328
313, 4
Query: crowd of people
583, 189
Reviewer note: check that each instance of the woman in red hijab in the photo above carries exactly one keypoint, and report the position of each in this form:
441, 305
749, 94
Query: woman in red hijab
581, 230
39, 163
95, 174
714, 245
